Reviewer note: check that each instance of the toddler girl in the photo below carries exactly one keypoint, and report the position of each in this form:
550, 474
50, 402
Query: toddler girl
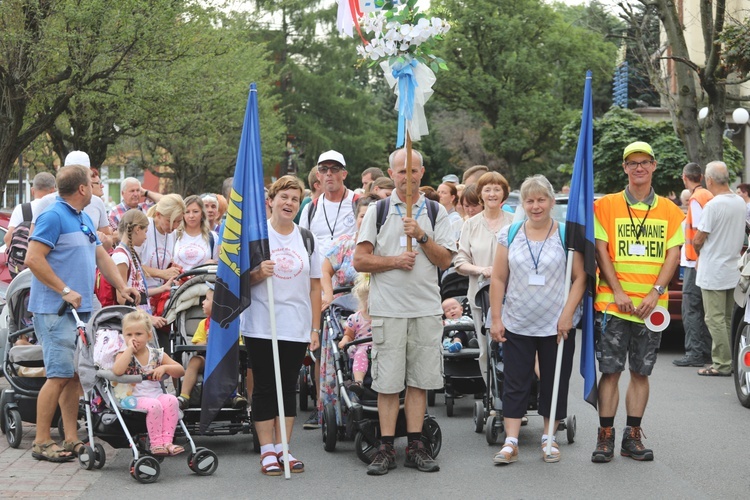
359, 325
138, 358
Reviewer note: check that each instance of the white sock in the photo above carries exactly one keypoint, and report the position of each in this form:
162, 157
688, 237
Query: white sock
545, 437
279, 448
270, 459
508, 442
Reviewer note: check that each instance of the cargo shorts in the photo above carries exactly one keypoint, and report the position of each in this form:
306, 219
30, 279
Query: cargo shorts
619, 338
406, 352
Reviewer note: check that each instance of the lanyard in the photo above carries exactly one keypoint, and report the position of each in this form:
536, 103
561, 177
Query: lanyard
528, 245
156, 243
325, 214
419, 210
638, 230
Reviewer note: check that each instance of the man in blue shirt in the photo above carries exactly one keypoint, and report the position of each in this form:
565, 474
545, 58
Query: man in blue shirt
63, 254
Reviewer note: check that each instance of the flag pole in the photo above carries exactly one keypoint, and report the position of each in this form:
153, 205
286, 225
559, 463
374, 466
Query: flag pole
409, 196
558, 361
277, 374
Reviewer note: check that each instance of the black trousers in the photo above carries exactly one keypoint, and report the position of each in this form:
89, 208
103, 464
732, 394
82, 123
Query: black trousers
519, 354
291, 355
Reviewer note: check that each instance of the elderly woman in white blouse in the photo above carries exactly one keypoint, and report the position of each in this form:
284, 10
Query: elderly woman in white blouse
477, 245
529, 315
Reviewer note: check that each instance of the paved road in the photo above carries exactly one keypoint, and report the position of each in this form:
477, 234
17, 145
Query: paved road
694, 424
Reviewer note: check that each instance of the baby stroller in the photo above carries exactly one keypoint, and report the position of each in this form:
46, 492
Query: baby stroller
121, 427
461, 371
354, 417
23, 364
489, 412
183, 312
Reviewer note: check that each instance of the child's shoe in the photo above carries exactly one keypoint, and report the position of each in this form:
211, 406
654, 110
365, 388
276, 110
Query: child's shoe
447, 344
455, 347
184, 402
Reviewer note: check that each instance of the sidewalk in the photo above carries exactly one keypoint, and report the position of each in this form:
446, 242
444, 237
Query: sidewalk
22, 476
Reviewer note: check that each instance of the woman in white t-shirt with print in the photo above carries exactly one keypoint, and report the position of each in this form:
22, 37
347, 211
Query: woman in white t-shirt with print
297, 294
196, 244
132, 229
157, 250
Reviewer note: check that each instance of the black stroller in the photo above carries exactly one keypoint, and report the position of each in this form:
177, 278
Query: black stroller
489, 412
352, 416
183, 312
122, 427
23, 364
461, 371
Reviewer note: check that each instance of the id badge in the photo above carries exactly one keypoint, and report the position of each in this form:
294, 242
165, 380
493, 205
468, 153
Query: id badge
536, 279
637, 249
413, 242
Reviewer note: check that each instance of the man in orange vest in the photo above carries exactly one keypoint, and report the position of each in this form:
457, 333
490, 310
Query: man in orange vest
697, 336
638, 237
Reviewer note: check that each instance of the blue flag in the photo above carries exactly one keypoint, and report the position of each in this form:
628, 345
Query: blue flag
244, 245
579, 236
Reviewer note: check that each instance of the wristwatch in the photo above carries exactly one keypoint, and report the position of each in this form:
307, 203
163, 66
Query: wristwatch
65, 291
659, 289
423, 239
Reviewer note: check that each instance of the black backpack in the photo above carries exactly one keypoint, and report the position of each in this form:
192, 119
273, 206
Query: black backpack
19, 242
384, 205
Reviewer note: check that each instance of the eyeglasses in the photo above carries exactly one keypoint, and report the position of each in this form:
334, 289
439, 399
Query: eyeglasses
335, 169
632, 165
85, 229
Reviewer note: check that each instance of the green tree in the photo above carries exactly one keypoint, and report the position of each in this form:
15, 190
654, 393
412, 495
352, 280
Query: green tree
520, 67
52, 50
618, 128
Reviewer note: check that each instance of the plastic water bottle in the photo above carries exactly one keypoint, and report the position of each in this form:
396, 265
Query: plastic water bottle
129, 402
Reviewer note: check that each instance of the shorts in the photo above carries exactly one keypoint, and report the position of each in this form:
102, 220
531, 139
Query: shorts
406, 352
622, 338
58, 336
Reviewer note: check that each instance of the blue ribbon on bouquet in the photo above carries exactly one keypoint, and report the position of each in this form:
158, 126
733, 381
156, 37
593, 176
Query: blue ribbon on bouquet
407, 86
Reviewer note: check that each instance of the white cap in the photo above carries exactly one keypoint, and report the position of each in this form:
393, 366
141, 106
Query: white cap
332, 156
77, 158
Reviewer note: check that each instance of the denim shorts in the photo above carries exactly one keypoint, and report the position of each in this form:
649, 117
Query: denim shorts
58, 335
620, 339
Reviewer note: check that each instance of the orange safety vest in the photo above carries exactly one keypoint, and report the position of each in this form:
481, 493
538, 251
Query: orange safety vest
702, 196
636, 273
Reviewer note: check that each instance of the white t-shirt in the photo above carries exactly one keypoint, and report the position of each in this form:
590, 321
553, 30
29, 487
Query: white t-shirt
330, 220
291, 289
95, 209
192, 251
16, 217
723, 219
157, 251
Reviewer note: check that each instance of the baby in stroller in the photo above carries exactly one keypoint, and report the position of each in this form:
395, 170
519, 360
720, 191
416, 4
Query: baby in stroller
454, 315
138, 358
359, 325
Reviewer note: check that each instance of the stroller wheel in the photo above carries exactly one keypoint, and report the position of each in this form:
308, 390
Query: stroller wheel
100, 457
5, 398
204, 462
449, 406
87, 458
571, 429
494, 429
365, 451
430, 398
329, 428
303, 389
13, 427
432, 436
145, 470
478, 416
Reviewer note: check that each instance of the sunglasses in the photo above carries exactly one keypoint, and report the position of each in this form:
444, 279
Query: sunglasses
85, 229
335, 169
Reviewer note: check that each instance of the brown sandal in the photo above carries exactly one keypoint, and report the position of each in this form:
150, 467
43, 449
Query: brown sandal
295, 466
73, 447
42, 451
272, 469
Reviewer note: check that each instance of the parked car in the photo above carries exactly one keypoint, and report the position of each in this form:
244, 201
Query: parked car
4, 272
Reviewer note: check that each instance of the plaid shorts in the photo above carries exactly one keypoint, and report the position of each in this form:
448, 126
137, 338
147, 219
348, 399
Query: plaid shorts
620, 338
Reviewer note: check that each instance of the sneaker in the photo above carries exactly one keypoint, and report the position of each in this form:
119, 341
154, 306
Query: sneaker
383, 461
447, 344
632, 446
455, 347
473, 343
313, 422
685, 361
417, 457
605, 445
184, 402
239, 402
